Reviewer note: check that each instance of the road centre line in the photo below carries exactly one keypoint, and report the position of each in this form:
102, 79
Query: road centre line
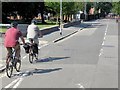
100, 54
103, 43
104, 38
101, 51
80, 86
105, 34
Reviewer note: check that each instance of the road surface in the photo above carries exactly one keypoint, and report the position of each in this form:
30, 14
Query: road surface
87, 59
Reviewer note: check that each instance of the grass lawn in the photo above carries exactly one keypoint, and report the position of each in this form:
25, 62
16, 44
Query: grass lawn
40, 25
43, 26
47, 25
3, 30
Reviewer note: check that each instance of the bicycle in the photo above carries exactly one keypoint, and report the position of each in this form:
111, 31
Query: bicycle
12, 62
32, 50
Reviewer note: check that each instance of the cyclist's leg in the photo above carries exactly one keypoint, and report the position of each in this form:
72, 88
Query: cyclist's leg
36, 41
17, 48
9, 53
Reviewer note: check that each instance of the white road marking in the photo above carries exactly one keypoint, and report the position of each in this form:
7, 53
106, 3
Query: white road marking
101, 50
104, 38
12, 83
103, 43
105, 34
43, 45
24, 56
18, 83
100, 54
80, 86
2, 75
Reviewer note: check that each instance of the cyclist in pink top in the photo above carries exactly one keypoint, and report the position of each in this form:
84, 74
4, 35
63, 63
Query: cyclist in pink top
12, 36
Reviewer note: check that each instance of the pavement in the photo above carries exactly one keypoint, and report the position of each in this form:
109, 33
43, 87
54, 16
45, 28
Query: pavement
53, 38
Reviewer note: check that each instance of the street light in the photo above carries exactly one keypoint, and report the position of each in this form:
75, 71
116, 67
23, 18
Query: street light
60, 17
85, 10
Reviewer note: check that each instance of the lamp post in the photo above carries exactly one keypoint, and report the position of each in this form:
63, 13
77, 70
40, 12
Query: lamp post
85, 10
60, 17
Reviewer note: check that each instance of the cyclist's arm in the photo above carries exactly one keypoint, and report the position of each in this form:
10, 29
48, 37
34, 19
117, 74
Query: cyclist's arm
23, 40
21, 37
39, 33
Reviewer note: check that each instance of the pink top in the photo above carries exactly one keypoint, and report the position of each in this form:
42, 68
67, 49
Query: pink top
11, 37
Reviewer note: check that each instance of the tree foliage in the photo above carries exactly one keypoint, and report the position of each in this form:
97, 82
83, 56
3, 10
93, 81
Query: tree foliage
25, 9
116, 7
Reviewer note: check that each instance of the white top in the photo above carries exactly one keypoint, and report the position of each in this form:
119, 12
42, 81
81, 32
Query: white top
32, 31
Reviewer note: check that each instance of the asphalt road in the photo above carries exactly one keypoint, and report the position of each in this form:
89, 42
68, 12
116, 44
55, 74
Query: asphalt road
87, 59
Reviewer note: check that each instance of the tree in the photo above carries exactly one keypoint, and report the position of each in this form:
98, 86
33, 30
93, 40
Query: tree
53, 7
116, 7
68, 8
105, 7
28, 10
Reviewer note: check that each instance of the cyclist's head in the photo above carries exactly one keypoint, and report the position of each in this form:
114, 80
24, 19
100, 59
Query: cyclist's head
33, 21
14, 24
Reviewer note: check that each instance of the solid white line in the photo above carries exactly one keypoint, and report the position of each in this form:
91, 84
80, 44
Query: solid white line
12, 83
18, 83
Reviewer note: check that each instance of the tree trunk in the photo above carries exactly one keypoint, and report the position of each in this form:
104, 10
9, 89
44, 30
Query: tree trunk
42, 12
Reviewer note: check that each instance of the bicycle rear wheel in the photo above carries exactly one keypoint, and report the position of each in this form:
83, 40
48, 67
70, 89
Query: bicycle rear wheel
9, 68
31, 56
18, 65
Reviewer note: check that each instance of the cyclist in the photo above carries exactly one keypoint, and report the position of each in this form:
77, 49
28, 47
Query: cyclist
12, 36
33, 33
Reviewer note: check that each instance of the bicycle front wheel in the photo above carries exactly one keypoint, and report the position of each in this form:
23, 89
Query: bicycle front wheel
9, 68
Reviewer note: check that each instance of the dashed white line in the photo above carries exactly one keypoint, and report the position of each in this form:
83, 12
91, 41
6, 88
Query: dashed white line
80, 86
104, 38
101, 51
100, 54
103, 43
105, 34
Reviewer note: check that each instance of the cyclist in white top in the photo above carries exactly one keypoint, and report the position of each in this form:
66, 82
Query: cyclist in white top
33, 32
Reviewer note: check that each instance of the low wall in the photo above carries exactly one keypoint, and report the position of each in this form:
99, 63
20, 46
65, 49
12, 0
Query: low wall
49, 30
71, 24
23, 28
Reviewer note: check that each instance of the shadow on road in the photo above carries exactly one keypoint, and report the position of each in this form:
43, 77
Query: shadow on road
34, 71
50, 59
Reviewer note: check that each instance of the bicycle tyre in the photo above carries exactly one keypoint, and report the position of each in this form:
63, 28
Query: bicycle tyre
18, 65
31, 56
9, 68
